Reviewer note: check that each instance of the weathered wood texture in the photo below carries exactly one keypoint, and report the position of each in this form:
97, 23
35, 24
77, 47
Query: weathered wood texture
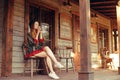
85, 51
94, 46
85, 55
1, 24
7, 31
18, 36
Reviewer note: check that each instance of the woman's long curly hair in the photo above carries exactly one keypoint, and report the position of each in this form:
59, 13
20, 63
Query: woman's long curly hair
33, 31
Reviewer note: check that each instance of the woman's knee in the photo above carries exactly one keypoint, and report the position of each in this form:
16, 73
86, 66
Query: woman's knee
46, 47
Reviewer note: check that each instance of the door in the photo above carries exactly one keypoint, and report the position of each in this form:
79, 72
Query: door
46, 18
76, 41
103, 38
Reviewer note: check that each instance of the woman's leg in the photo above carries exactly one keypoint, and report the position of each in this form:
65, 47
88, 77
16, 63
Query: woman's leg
52, 74
49, 62
50, 53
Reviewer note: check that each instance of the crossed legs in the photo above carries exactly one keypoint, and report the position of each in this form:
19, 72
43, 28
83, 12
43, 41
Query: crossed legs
50, 57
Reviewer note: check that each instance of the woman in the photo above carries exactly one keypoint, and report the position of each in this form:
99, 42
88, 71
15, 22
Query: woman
42, 51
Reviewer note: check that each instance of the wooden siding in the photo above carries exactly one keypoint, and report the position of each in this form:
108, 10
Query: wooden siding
18, 37
94, 46
1, 24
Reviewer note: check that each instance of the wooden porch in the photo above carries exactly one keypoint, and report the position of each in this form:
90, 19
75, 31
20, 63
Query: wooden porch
99, 74
14, 27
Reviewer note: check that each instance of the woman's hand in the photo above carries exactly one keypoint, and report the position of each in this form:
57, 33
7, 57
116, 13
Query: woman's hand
39, 30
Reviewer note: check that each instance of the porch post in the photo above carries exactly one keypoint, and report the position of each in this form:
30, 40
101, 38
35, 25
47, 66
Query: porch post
7, 38
118, 25
85, 52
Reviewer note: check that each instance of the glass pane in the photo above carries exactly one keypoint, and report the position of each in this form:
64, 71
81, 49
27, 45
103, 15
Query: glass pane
45, 29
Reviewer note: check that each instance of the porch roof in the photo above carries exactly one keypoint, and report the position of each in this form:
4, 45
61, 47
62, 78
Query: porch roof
106, 7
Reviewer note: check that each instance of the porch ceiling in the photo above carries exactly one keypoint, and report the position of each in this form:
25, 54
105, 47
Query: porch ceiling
106, 7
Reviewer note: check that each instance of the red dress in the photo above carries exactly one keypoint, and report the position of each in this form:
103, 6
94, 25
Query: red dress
35, 51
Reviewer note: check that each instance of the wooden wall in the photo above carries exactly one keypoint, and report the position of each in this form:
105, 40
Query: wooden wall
18, 37
101, 19
1, 25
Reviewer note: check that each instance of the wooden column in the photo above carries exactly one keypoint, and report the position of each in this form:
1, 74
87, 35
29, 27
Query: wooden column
118, 25
26, 19
7, 38
85, 52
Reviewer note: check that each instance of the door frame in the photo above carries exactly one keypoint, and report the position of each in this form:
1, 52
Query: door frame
106, 30
46, 5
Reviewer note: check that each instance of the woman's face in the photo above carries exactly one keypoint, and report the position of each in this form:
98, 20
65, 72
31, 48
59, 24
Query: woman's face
36, 25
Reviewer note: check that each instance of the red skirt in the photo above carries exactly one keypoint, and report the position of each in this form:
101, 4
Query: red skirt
33, 53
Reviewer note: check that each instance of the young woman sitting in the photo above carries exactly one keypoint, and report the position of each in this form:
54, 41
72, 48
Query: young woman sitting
41, 50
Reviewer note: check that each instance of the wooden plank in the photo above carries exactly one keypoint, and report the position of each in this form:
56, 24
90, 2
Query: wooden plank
18, 19
18, 33
1, 24
1, 10
0, 35
17, 59
19, 28
17, 49
17, 43
19, 9
1, 16
105, 7
107, 10
7, 38
18, 54
94, 48
17, 70
1, 6
103, 2
18, 38
0, 46
19, 1
19, 4
17, 13
18, 65
19, 24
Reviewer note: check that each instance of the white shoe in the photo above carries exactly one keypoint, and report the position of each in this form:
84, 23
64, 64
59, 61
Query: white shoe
59, 65
53, 75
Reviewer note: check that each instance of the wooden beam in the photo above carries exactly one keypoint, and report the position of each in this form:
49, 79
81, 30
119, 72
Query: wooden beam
103, 2
112, 10
113, 16
7, 38
110, 14
75, 2
110, 6
26, 20
101, 14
